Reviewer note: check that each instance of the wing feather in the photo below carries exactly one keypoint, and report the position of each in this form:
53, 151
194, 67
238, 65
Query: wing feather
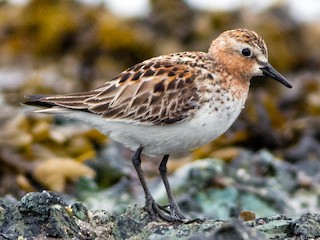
161, 90
154, 99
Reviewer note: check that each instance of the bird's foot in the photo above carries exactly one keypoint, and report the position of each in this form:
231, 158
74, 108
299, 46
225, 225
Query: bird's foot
174, 212
165, 213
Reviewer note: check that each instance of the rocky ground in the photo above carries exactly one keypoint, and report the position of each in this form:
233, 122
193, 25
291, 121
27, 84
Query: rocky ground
46, 216
244, 202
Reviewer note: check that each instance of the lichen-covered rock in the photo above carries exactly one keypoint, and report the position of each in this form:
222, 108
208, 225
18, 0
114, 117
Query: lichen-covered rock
44, 214
38, 215
307, 226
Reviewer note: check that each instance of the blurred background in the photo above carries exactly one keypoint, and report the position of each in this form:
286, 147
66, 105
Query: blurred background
55, 47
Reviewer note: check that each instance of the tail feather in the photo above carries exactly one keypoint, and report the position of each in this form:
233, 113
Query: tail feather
35, 101
59, 103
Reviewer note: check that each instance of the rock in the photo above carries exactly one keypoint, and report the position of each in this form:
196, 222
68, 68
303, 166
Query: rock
236, 230
275, 227
307, 226
45, 214
38, 215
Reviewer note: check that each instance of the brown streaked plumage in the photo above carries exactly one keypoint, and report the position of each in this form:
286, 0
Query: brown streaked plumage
160, 90
250, 38
171, 103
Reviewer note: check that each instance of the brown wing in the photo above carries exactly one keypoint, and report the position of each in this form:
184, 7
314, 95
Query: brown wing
161, 90
157, 93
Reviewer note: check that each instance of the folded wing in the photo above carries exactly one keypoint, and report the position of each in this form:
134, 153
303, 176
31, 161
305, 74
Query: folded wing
156, 91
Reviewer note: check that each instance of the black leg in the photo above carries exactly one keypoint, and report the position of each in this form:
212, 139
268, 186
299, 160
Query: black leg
151, 206
175, 212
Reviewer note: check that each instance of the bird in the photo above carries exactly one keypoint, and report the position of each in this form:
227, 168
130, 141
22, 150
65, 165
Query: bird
171, 104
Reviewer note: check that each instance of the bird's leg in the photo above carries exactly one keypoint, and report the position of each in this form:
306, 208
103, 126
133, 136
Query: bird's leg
175, 211
151, 206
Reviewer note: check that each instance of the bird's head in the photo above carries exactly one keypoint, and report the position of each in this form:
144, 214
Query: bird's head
245, 54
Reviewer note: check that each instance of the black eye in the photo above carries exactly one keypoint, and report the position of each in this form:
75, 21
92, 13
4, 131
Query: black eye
246, 52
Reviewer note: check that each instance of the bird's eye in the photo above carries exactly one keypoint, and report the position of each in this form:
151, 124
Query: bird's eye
246, 52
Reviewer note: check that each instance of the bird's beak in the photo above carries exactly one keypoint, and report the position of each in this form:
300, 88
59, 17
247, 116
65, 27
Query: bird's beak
268, 70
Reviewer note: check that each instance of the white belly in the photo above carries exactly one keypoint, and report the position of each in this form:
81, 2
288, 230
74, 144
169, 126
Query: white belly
206, 125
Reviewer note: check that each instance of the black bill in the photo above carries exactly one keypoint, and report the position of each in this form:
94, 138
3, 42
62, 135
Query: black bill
268, 70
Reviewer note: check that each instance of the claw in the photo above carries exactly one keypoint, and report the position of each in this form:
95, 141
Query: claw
159, 212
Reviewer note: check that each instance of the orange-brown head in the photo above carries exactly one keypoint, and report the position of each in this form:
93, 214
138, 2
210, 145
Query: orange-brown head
244, 53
